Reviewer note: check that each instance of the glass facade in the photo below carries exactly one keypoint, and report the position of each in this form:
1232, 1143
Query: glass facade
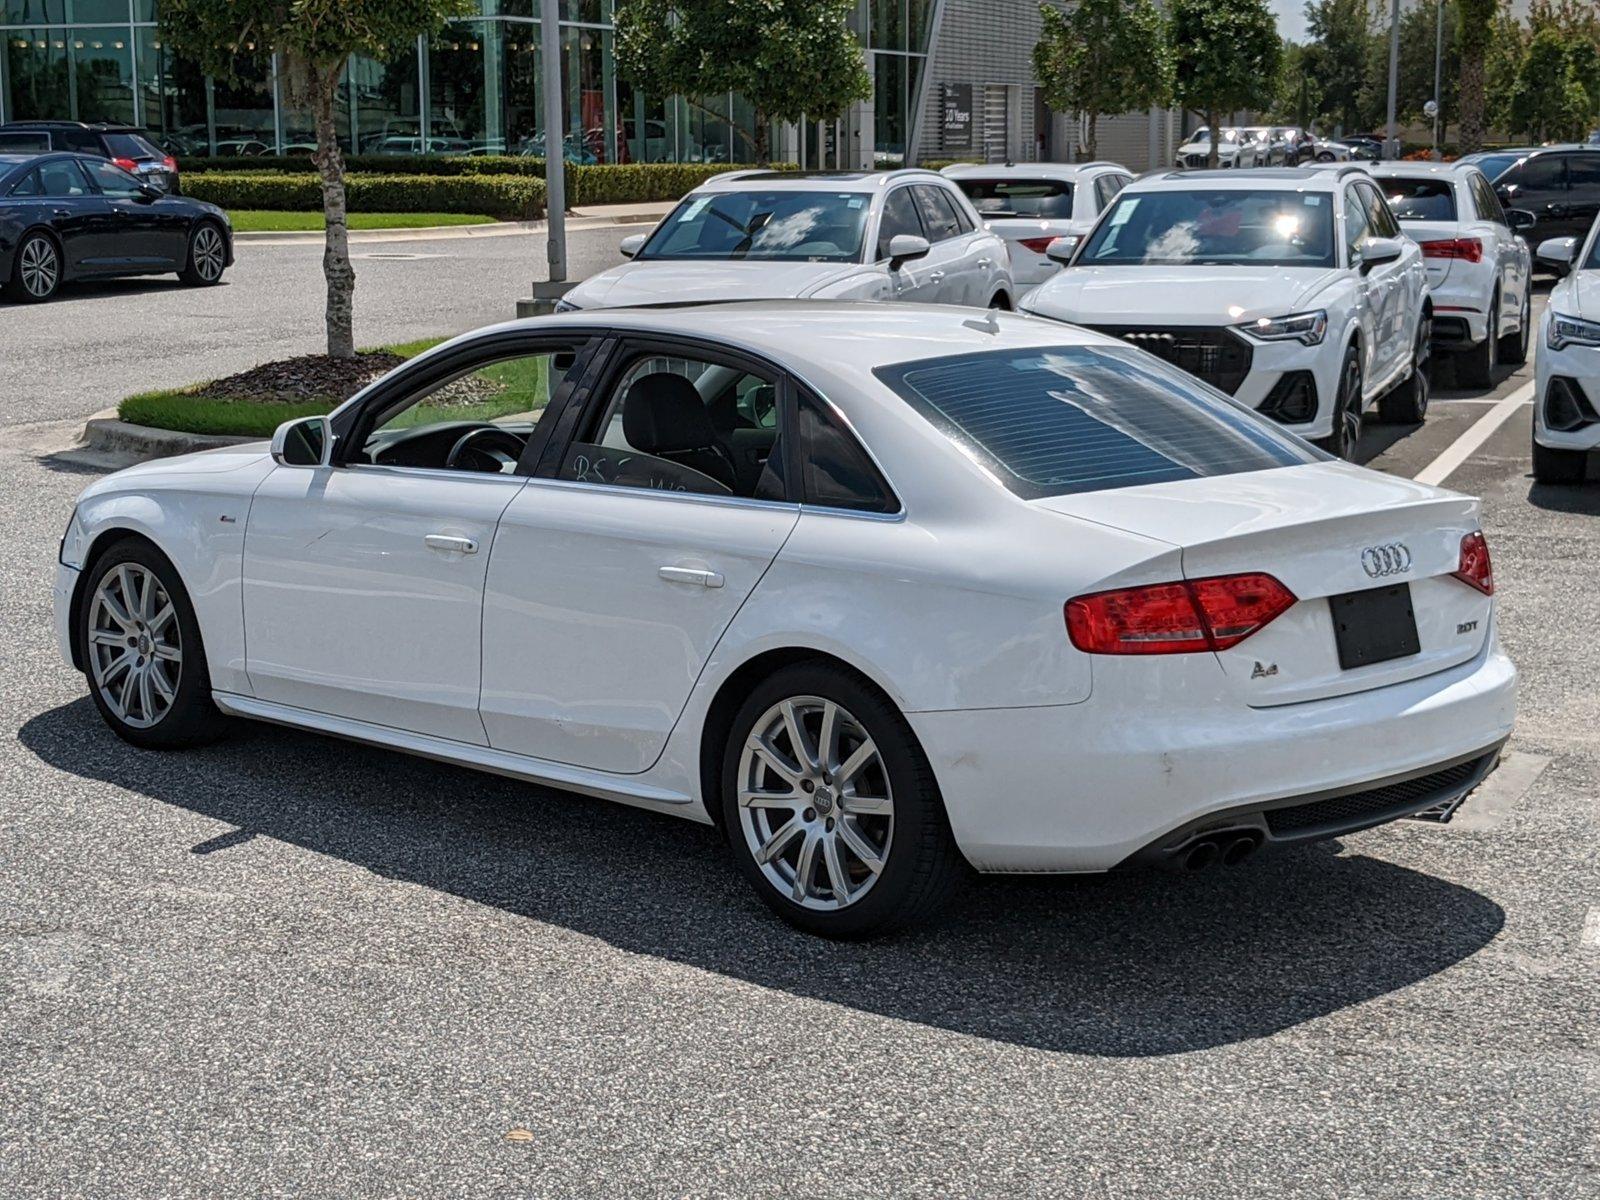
473, 89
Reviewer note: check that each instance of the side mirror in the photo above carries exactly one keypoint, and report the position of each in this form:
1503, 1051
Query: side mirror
1558, 254
632, 244
1378, 251
1061, 249
149, 193
906, 246
1520, 219
307, 442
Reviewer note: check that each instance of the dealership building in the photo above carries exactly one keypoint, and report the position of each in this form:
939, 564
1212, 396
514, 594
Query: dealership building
951, 79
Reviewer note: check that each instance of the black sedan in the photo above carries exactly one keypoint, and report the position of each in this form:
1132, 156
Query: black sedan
76, 216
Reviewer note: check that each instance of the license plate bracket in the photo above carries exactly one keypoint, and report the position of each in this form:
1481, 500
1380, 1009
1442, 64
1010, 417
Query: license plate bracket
1375, 625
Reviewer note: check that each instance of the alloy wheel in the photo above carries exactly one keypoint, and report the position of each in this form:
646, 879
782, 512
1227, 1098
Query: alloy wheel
135, 647
816, 808
39, 267
1349, 412
208, 254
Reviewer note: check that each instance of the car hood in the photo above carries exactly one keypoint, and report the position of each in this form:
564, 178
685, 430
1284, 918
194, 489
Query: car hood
1579, 295
657, 282
1152, 295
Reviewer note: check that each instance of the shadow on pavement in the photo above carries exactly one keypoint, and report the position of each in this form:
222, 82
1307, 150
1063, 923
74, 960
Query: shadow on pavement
1124, 965
1567, 497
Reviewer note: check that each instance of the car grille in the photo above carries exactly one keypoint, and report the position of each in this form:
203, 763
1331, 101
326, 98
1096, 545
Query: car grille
1357, 807
1218, 356
1195, 160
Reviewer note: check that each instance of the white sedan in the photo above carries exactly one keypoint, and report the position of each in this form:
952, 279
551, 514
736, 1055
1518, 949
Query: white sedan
1480, 273
908, 235
1566, 411
876, 590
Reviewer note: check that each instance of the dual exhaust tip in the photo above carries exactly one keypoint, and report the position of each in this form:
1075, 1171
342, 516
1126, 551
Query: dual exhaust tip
1229, 848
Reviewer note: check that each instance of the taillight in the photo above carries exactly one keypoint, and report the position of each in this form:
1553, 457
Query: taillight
169, 163
1469, 249
127, 164
1476, 570
1037, 245
1176, 618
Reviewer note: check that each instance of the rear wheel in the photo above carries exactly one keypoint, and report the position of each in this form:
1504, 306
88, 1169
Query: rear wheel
1346, 435
36, 269
1408, 403
140, 647
831, 807
1513, 348
1558, 466
1475, 368
208, 256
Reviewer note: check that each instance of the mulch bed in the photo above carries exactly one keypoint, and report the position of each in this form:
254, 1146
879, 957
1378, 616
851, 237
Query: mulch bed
309, 377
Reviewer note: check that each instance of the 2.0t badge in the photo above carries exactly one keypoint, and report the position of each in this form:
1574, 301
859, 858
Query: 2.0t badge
1381, 561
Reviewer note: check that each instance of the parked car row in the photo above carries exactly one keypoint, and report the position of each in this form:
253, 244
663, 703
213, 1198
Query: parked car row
1273, 146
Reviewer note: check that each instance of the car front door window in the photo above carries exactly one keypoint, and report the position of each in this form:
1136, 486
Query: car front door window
899, 217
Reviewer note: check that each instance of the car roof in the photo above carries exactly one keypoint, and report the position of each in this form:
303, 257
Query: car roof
93, 127
811, 181
1029, 170
1442, 170
1232, 179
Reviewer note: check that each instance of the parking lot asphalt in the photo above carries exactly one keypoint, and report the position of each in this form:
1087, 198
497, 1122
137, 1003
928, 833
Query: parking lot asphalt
289, 966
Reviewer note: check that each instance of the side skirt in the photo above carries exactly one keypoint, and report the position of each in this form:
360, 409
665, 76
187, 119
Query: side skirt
482, 758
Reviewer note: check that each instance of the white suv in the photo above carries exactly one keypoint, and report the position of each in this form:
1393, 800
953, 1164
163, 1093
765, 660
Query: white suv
1031, 204
1566, 411
1292, 291
764, 235
1234, 149
1479, 271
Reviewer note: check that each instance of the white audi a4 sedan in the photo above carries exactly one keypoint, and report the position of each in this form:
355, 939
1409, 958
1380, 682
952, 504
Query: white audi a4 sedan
907, 235
881, 591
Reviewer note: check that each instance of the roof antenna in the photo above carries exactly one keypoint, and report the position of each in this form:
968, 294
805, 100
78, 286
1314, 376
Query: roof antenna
989, 324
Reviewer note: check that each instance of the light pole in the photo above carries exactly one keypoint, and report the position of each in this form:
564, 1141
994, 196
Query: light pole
1438, 76
1392, 147
546, 293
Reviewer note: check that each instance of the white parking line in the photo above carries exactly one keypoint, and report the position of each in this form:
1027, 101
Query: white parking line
1480, 432
1591, 930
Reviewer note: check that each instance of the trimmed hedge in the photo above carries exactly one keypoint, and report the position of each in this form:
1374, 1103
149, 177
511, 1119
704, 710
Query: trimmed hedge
512, 197
625, 183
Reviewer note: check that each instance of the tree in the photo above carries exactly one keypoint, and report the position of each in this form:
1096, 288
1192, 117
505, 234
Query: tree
791, 59
1226, 57
1104, 57
1549, 100
313, 40
1474, 32
1502, 63
1339, 57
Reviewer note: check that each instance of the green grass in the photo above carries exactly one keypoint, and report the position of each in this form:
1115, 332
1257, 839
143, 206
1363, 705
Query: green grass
258, 220
523, 387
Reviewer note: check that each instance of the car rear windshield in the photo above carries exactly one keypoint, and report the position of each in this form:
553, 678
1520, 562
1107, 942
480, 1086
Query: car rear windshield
1048, 198
1051, 422
26, 143
130, 145
780, 225
1206, 227
1421, 199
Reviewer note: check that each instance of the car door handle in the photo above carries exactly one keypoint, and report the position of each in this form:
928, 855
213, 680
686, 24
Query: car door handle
983, 262
706, 579
456, 545
935, 276
62, 212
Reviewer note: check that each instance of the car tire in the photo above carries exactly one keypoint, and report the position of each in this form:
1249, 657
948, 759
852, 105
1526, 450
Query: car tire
36, 269
1559, 466
1325, 156
802, 832
140, 647
208, 256
1475, 367
1407, 404
1513, 348
1346, 436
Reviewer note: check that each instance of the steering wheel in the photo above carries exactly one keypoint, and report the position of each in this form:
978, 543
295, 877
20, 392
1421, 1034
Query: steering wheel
486, 448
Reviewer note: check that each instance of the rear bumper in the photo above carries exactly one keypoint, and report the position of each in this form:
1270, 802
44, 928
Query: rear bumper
1088, 786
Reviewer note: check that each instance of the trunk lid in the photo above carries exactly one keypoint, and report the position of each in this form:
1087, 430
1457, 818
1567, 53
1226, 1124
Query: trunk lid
1433, 231
1310, 527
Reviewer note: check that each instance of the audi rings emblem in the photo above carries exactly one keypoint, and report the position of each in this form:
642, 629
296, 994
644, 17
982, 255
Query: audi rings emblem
1382, 561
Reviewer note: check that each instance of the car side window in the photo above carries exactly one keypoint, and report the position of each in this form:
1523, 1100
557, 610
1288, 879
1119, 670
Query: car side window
1485, 202
1382, 218
1547, 173
478, 419
962, 217
938, 214
28, 185
835, 471
1583, 170
63, 178
80, 140
684, 424
112, 180
899, 217
1105, 190
1357, 224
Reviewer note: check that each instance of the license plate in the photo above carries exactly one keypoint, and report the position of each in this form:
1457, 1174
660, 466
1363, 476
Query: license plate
1374, 626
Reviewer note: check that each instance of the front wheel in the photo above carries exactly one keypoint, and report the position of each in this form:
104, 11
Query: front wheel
139, 643
831, 807
1346, 436
1407, 404
208, 256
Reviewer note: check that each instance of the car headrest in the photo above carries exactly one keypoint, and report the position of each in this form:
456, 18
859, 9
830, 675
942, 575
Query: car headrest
664, 414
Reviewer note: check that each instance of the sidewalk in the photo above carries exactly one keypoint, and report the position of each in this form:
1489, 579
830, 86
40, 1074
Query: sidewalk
593, 216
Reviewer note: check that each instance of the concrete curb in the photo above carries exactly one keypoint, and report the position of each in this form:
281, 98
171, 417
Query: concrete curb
106, 438
576, 219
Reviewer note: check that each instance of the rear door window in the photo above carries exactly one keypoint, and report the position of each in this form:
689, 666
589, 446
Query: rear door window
1051, 422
